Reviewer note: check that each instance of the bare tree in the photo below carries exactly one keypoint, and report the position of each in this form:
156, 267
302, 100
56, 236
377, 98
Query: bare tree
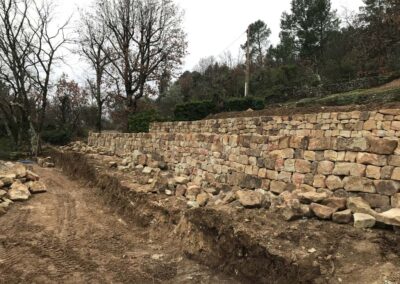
28, 47
145, 35
93, 35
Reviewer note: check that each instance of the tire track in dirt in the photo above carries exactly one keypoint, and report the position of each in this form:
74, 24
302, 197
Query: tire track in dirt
68, 235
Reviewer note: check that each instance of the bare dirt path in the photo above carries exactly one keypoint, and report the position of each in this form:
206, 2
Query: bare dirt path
67, 235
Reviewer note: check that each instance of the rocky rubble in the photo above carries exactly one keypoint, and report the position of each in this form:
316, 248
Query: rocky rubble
17, 183
337, 191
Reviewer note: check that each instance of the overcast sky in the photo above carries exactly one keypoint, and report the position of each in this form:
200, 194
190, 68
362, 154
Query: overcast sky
214, 25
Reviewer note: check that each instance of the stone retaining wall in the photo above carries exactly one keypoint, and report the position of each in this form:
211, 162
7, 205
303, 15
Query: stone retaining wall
363, 165
382, 123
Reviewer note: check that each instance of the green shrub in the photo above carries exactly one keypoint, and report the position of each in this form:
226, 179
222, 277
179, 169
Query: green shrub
201, 109
140, 122
242, 104
56, 136
194, 110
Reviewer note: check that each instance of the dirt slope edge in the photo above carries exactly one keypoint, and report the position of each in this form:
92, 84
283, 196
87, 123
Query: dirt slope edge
209, 236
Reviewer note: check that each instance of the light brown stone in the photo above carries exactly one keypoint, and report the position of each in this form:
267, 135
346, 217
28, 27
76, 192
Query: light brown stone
359, 205
311, 197
303, 166
376, 200
395, 200
342, 217
391, 217
250, 199
387, 187
319, 181
321, 211
278, 187
358, 184
325, 167
37, 187
382, 146
373, 172
335, 202
334, 182
371, 159
363, 221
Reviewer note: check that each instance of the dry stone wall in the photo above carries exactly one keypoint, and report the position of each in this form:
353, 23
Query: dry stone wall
318, 156
382, 123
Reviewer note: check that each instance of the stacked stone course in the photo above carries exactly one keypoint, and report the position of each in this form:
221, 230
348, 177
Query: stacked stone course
327, 154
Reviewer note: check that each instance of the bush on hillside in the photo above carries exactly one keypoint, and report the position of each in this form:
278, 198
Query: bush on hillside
194, 110
201, 109
140, 122
56, 136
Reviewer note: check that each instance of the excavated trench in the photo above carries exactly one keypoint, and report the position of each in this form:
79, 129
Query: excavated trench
207, 235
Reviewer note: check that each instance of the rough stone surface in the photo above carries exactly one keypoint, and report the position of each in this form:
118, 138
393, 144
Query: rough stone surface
342, 217
250, 199
359, 205
363, 221
18, 192
321, 211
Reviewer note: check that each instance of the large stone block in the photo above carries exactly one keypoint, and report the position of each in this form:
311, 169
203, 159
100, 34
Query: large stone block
334, 182
342, 217
363, 221
382, 146
358, 184
325, 167
359, 205
278, 187
371, 159
376, 200
319, 144
395, 200
352, 144
303, 166
321, 211
250, 182
387, 187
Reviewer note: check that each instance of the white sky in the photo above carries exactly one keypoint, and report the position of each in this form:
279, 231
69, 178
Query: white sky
213, 25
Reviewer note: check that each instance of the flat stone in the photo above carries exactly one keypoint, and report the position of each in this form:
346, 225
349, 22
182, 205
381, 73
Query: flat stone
358, 184
147, 170
371, 159
18, 192
181, 180
342, 217
278, 187
37, 187
311, 197
338, 203
19, 170
250, 199
334, 182
192, 204
352, 144
382, 146
363, 221
359, 205
387, 187
325, 167
293, 210
376, 200
321, 211
391, 217
202, 199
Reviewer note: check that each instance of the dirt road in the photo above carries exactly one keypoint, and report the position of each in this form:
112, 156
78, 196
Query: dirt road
68, 235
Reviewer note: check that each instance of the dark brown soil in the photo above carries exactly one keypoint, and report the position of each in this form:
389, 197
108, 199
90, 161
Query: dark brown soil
283, 110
